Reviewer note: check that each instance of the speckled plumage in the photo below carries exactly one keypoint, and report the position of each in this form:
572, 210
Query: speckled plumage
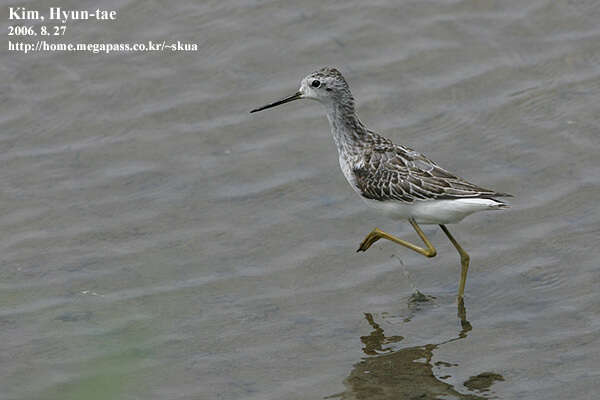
393, 178
383, 171
389, 176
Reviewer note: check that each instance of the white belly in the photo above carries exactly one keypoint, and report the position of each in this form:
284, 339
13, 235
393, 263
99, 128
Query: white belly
427, 211
434, 211
348, 173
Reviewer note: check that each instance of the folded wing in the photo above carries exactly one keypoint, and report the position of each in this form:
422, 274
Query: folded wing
392, 172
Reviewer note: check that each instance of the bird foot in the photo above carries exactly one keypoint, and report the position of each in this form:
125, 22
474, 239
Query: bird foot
368, 241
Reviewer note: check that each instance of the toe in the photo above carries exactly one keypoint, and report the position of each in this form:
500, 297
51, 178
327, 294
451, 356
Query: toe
363, 246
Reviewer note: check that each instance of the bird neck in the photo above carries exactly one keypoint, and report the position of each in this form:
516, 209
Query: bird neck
347, 130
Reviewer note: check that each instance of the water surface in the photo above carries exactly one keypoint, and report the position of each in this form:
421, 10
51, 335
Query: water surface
158, 242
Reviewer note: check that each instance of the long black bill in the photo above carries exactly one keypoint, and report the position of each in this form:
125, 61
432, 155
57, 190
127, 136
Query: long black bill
296, 96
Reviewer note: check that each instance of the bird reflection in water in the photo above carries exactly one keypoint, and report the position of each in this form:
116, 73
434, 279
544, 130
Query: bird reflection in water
407, 373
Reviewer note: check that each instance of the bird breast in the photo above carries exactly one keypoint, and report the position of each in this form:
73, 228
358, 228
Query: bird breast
348, 165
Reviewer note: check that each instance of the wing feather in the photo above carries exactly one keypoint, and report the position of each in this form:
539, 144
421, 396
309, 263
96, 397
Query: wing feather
393, 172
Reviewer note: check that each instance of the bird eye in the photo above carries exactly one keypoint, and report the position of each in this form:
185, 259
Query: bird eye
315, 83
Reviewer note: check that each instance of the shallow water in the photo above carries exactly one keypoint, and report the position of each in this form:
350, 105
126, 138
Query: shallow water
158, 242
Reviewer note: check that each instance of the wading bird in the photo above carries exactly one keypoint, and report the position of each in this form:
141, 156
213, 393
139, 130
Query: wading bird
392, 178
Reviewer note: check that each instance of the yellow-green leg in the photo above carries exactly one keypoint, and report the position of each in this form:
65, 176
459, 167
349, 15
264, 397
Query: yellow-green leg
377, 234
464, 323
464, 262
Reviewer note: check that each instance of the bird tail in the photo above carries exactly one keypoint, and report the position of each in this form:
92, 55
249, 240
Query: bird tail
501, 204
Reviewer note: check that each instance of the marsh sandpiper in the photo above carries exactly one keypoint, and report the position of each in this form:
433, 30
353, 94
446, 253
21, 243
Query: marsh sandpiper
392, 178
